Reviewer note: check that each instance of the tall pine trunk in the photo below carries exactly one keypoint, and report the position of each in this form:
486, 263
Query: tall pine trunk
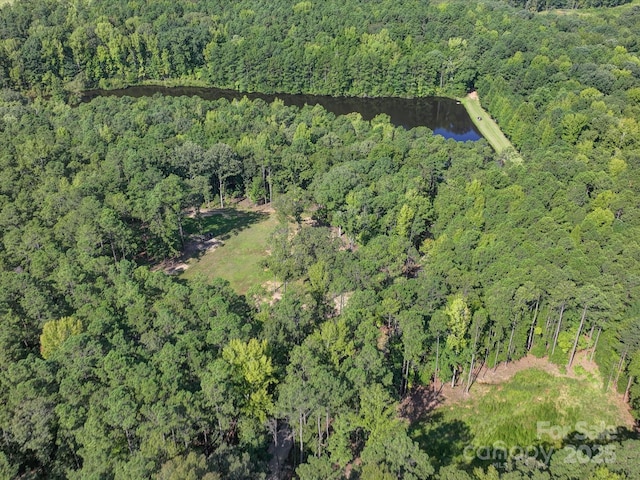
473, 357
621, 366
264, 183
513, 330
626, 392
546, 329
575, 343
326, 424
485, 365
437, 358
533, 326
181, 229
595, 345
113, 250
301, 440
319, 452
555, 337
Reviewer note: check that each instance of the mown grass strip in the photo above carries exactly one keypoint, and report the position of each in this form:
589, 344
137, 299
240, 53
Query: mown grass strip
490, 129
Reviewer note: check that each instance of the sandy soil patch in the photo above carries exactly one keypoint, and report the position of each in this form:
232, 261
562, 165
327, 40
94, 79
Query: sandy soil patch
274, 291
195, 246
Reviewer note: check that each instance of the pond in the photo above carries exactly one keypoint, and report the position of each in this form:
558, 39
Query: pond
444, 116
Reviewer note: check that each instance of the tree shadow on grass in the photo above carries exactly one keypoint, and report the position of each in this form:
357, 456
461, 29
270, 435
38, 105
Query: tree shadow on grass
222, 223
577, 454
443, 440
211, 229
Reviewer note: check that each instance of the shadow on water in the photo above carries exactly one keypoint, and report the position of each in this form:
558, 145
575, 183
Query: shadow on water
444, 116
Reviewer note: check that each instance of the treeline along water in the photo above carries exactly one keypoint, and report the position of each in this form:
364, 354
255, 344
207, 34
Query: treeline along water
443, 116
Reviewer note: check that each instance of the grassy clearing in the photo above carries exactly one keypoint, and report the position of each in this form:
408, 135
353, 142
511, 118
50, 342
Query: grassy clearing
618, 10
246, 238
490, 129
508, 415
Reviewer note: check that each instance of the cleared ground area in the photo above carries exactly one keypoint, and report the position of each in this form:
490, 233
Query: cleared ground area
244, 243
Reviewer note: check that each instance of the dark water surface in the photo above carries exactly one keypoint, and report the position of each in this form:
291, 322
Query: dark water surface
444, 116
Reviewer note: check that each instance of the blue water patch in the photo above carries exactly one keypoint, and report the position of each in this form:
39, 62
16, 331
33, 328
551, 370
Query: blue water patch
469, 136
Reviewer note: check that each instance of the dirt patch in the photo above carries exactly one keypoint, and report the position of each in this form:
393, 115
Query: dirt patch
247, 204
208, 212
225, 212
196, 245
420, 402
340, 301
172, 267
505, 371
383, 338
473, 95
349, 467
274, 291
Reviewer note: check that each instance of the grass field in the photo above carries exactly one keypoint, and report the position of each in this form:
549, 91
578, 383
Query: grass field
618, 10
246, 238
508, 414
490, 129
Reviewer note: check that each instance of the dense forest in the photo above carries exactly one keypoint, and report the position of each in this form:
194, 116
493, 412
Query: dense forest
405, 259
